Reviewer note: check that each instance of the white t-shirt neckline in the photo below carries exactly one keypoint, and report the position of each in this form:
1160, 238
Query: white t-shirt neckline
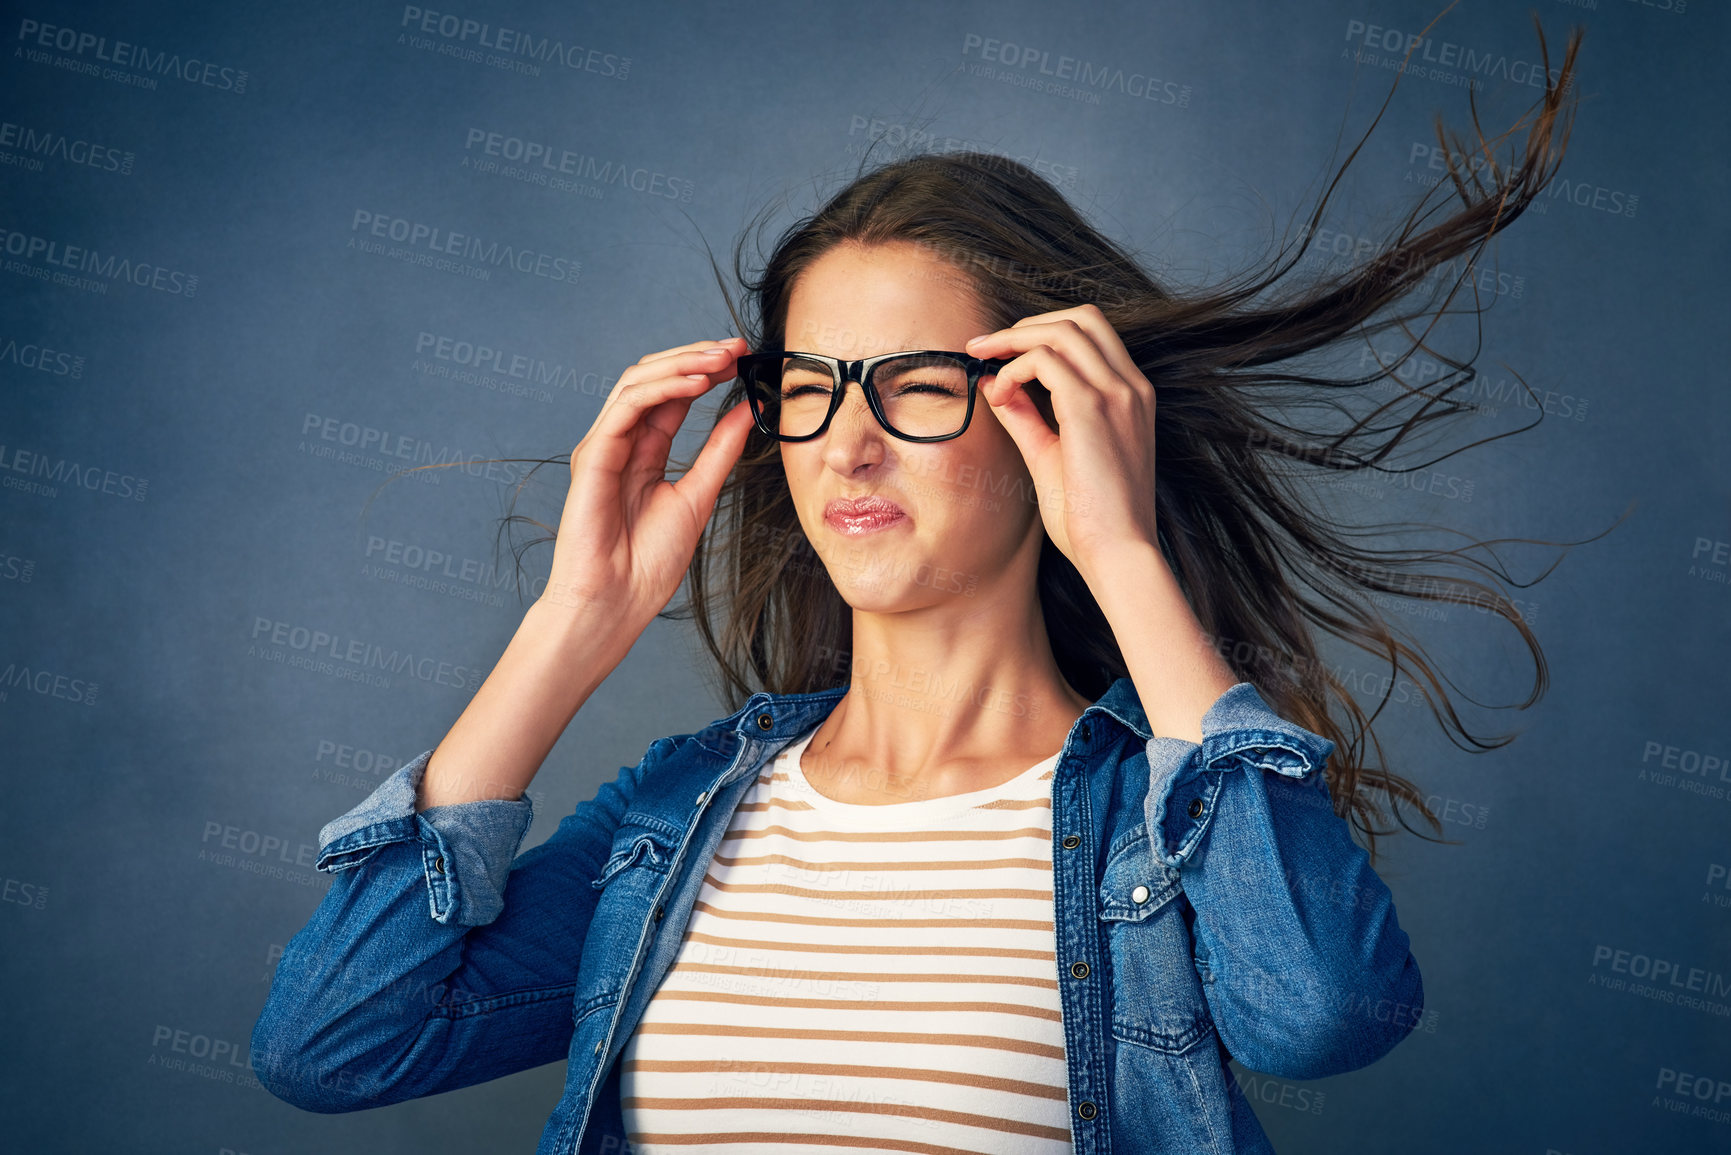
910, 813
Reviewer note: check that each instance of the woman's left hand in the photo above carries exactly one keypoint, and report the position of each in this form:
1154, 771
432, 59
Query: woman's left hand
1095, 477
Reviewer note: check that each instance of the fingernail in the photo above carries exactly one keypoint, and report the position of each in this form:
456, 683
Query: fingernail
715, 349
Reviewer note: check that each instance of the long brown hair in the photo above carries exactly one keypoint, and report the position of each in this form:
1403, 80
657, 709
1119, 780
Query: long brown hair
1265, 570
1261, 567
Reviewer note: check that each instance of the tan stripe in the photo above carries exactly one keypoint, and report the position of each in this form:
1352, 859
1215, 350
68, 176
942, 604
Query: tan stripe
860, 1004
798, 804
806, 1141
891, 835
881, 895
907, 1110
732, 1030
1016, 804
819, 920
898, 948
856, 976
856, 1070
776, 804
1039, 864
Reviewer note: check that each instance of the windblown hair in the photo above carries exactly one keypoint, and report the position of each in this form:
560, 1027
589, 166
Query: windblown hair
1260, 566
1236, 366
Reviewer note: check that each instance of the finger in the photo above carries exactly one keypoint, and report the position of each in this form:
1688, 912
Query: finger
702, 483
1076, 345
1015, 409
713, 367
653, 365
1110, 344
610, 443
732, 344
689, 358
653, 440
1092, 321
656, 431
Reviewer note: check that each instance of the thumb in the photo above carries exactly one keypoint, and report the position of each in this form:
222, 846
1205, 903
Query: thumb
702, 483
1023, 421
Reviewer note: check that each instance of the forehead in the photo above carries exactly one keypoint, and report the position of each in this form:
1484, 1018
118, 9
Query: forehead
857, 300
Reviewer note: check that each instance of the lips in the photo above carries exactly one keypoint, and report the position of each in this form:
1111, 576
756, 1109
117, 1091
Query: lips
862, 514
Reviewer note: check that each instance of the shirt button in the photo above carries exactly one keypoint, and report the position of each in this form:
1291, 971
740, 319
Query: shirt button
1139, 895
1086, 1109
659, 911
597, 1048
702, 798
1079, 969
765, 721
1196, 808
439, 865
1072, 841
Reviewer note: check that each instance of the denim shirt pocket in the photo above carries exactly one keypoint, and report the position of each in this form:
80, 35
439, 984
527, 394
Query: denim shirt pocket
642, 843
1157, 998
638, 862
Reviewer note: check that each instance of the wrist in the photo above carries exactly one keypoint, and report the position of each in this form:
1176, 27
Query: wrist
1122, 579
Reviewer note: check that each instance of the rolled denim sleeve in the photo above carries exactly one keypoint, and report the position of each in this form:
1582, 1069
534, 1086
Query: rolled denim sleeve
1304, 965
466, 848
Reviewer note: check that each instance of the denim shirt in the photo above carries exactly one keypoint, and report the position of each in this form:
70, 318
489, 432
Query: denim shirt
1208, 904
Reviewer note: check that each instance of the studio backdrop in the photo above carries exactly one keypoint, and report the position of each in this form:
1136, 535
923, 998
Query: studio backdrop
257, 262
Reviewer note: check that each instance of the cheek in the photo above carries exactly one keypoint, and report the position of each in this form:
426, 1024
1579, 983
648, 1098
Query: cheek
977, 498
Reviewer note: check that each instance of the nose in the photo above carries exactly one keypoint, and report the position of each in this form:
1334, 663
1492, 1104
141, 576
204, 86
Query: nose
854, 437
854, 408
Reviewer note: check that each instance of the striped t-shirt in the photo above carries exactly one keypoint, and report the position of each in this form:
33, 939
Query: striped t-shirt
862, 978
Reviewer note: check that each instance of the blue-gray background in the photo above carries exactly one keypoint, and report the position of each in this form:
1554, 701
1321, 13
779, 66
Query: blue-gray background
189, 442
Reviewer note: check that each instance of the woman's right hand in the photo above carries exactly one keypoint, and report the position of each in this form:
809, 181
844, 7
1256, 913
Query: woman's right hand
627, 534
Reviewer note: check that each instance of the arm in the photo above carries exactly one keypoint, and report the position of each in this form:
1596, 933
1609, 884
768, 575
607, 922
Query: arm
1304, 965
431, 963
1305, 968
562, 651
434, 961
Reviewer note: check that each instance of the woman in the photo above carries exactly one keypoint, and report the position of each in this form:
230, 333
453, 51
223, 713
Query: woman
1072, 829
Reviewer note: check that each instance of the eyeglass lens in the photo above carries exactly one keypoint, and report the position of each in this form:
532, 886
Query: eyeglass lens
923, 395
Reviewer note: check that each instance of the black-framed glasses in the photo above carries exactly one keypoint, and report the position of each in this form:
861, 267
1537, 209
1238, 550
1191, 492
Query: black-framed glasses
916, 395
